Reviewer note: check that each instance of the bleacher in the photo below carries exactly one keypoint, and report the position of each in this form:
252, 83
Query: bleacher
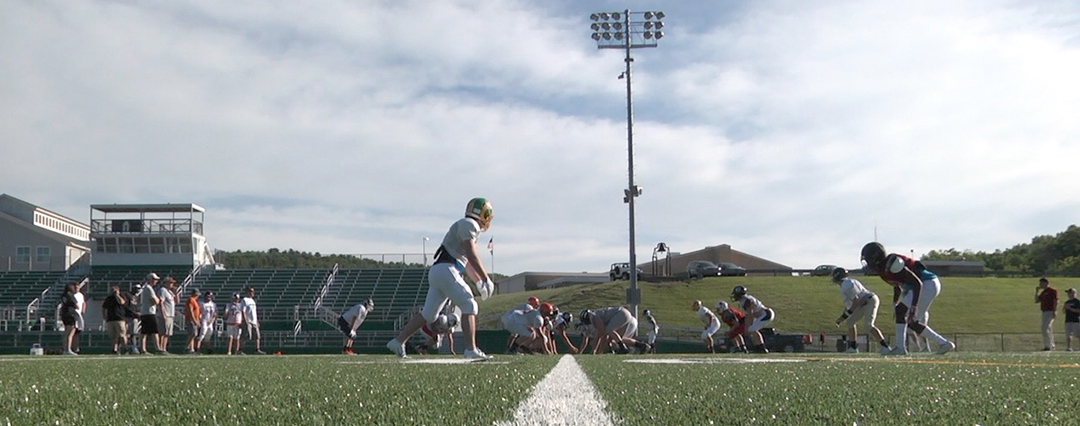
394, 291
19, 288
102, 277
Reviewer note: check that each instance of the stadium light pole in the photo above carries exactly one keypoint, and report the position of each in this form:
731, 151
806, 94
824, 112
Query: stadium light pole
616, 30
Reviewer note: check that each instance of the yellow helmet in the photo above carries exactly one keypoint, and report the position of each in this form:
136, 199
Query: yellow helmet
479, 208
696, 305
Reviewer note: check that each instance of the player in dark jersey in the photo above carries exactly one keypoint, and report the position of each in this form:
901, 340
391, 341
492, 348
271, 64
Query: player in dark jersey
736, 322
914, 289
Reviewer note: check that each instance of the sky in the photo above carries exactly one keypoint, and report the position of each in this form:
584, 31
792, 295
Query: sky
793, 131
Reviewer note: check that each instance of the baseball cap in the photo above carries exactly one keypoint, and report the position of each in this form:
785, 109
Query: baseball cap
1071, 290
152, 276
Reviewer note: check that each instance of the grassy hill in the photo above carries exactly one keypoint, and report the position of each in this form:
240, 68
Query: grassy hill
810, 304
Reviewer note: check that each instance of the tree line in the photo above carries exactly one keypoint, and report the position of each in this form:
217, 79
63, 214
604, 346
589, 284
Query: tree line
1057, 253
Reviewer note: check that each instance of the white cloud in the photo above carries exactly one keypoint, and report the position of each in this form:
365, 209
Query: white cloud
788, 131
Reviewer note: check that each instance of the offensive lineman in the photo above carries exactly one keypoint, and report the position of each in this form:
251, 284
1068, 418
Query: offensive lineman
712, 324
914, 289
614, 324
859, 304
757, 316
458, 254
736, 322
527, 329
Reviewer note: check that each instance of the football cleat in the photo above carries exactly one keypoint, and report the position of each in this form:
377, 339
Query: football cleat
946, 347
397, 348
851, 351
885, 350
898, 351
476, 354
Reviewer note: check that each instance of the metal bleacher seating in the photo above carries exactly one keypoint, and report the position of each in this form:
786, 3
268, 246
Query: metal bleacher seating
19, 288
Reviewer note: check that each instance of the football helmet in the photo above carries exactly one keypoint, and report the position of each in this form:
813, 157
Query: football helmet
838, 274
873, 257
369, 303
547, 309
452, 320
440, 323
567, 317
586, 316
721, 306
738, 292
479, 208
695, 305
647, 312
533, 301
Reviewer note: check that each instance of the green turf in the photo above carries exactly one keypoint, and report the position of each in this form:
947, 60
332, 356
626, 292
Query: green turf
810, 304
280, 390
957, 389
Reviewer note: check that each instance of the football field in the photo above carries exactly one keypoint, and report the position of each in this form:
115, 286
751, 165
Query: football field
827, 389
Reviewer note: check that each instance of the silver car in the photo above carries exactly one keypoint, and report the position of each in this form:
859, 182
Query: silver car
701, 269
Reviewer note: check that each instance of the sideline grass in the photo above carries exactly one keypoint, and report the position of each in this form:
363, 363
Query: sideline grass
309, 390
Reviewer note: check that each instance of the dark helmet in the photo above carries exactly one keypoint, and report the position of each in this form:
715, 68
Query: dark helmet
838, 274
738, 292
647, 312
585, 316
873, 257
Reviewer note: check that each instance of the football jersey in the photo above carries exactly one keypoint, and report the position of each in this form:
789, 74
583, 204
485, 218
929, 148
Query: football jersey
751, 305
705, 315
209, 311
895, 264
357, 311
852, 290
732, 317
465, 229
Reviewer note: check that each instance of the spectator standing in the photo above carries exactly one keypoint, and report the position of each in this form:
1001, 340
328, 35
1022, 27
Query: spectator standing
234, 319
68, 306
80, 317
207, 318
167, 312
133, 321
251, 320
114, 312
1047, 299
193, 320
1072, 318
148, 306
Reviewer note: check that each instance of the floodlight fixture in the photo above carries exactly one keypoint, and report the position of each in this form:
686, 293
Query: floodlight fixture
595, 17
596, 36
618, 36
659, 15
605, 26
605, 16
616, 16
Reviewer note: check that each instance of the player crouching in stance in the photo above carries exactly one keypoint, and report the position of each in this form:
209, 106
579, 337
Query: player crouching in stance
757, 314
914, 289
349, 321
613, 325
527, 329
736, 322
558, 328
458, 254
859, 304
712, 324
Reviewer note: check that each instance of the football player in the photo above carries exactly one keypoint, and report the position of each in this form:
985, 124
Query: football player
736, 322
757, 316
562, 322
654, 330
612, 325
457, 255
349, 321
526, 328
914, 289
859, 304
712, 324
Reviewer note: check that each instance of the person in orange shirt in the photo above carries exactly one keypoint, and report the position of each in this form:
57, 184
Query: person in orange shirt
192, 315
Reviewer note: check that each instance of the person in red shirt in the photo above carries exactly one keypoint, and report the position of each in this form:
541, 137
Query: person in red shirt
736, 322
1047, 299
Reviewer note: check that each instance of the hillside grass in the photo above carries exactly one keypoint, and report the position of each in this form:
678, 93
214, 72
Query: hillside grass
811, 304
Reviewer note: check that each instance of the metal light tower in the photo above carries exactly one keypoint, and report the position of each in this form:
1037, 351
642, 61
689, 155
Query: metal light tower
615, 30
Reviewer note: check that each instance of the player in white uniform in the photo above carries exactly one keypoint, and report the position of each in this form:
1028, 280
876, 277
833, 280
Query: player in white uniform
712, 323
349, 321
612, 325
654, 329
563, 322
526, 327
207, 318
433, 334
757, 314
859, 304
458, 254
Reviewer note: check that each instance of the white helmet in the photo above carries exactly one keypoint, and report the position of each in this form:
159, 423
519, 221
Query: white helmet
452, 320
479, 209
721, 306
440, 323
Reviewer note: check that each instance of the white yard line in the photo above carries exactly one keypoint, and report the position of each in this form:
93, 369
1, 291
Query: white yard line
565, 396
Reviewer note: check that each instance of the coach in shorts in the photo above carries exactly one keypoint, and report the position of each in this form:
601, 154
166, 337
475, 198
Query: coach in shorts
148, 307
251, 320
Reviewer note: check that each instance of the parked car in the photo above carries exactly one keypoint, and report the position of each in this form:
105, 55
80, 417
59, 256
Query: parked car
822, 271
621, 271
701, 269
774, 341
731, 269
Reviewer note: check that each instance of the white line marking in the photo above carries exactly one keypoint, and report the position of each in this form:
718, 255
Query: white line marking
565, 396
710, 360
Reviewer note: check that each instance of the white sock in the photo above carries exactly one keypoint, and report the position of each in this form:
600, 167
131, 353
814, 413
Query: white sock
937, 338
901, 337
